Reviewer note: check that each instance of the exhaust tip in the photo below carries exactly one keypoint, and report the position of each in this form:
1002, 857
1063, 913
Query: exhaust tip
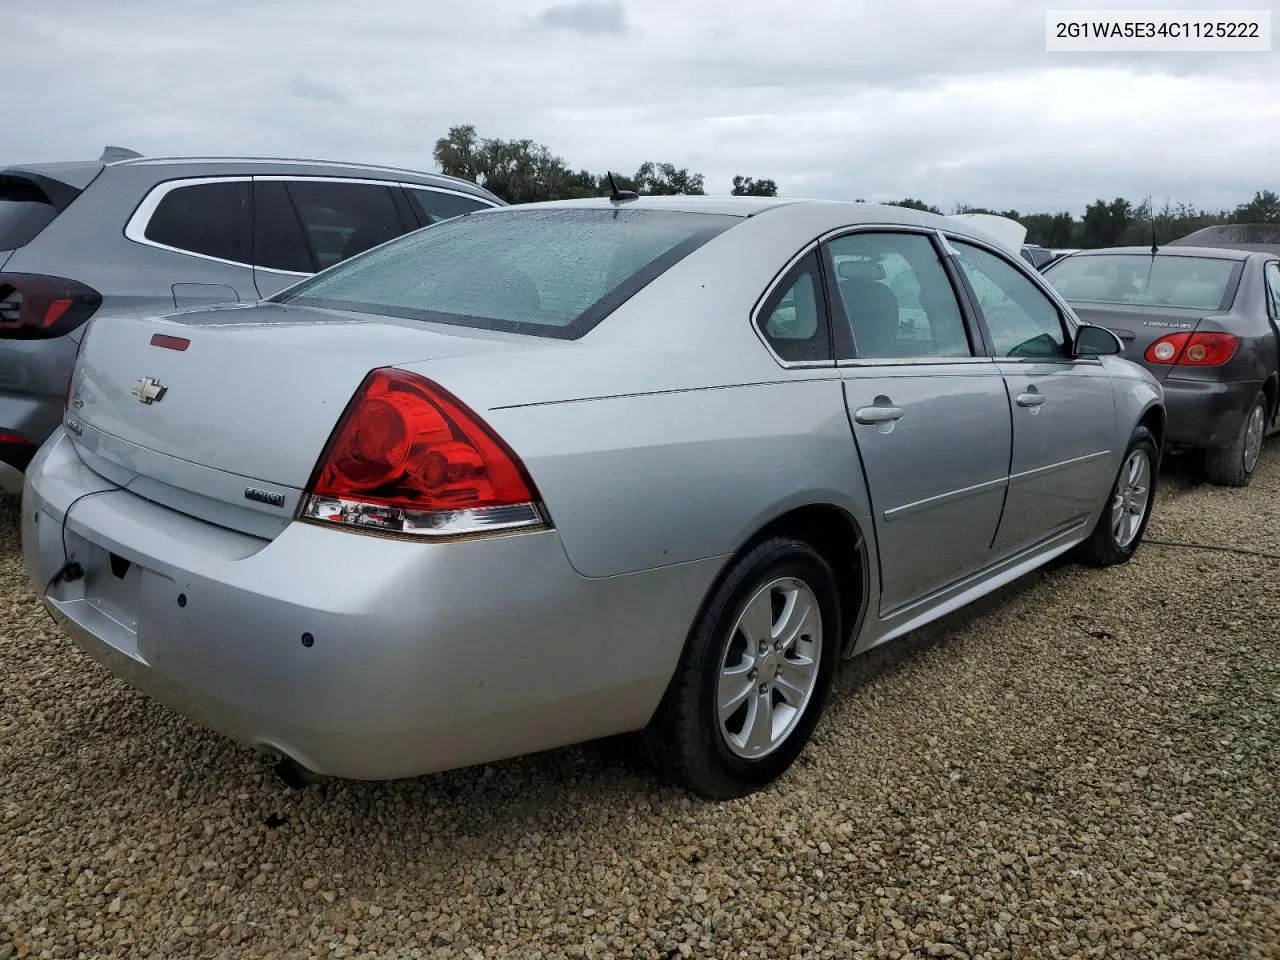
295, 776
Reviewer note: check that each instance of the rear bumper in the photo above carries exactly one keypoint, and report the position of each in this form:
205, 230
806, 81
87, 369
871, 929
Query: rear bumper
33, 385
15, 454
423, 656
34, 416
10, 479
1206, 414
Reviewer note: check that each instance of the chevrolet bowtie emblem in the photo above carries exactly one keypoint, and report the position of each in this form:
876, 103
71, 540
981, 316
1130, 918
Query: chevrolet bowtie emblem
148, 390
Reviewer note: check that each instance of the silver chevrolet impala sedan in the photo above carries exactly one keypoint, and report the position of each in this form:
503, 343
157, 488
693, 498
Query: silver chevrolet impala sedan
548, 473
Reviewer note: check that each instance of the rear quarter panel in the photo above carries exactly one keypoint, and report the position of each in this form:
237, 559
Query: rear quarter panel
1136, 393
669, 433
637, 482
1258, 355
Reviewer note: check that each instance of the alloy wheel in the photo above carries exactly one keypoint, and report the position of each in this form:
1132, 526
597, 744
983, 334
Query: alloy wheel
770, 668
1132, 494
1253, 434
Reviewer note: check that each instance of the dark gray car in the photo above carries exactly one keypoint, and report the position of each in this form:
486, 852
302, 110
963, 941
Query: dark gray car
140, 235
1203, 321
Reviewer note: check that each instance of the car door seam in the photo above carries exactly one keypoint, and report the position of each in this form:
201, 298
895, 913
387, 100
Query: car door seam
1008, 471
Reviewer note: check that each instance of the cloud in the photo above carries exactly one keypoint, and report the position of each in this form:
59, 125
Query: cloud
307, 88
590, 17
955, 103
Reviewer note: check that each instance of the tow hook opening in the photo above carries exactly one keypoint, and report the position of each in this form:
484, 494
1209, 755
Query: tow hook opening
295, 776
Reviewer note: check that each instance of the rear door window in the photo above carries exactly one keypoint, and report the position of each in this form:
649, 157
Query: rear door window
24, 212
896, 295
341, 219
432, 206
1273, 287
212, 219
278, 241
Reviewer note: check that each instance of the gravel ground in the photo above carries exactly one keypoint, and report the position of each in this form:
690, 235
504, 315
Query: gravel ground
1084, 767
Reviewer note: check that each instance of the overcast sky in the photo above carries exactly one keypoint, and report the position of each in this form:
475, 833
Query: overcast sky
946, 101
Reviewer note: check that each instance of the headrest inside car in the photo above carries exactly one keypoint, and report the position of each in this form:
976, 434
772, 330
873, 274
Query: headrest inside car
864, 270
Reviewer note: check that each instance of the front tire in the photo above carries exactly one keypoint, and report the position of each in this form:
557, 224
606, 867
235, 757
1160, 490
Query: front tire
1233, 466
1123, 523
754, 675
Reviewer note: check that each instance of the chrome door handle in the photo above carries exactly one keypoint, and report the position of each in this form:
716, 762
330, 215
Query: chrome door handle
877, 414
1030, 399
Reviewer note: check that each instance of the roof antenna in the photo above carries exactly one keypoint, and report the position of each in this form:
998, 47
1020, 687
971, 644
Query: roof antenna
618, 196
1151, 210
115, 154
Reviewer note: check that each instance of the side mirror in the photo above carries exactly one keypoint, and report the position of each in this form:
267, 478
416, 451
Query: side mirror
1094, 341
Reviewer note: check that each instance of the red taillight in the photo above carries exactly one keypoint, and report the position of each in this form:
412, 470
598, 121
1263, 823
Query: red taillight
410, 458
1208, 349
35, 307
13, 438
55, 311
1166, 349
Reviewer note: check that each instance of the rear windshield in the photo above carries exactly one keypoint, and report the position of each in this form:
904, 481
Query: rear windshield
1195, 283
24, 212
549, 272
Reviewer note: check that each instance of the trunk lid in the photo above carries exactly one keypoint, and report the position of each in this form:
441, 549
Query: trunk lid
248, 403
1139, 327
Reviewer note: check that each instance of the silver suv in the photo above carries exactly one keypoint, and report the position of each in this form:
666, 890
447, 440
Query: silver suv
91, 239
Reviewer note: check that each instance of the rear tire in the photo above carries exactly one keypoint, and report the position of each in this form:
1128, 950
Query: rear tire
1120, 529
767, 639
1233, 466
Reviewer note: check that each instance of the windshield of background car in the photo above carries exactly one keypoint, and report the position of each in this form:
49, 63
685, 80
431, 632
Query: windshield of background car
549, 272
1194, 283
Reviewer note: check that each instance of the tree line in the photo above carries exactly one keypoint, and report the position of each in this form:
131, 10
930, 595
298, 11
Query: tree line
1121, 222
522, 171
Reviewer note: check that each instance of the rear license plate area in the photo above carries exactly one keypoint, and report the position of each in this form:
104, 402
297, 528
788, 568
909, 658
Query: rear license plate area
114, 584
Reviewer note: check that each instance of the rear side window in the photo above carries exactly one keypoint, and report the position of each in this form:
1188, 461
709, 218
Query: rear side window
549, 272
24, 212
343, 219
213, 219
432, 206
794, 318
1273, 287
